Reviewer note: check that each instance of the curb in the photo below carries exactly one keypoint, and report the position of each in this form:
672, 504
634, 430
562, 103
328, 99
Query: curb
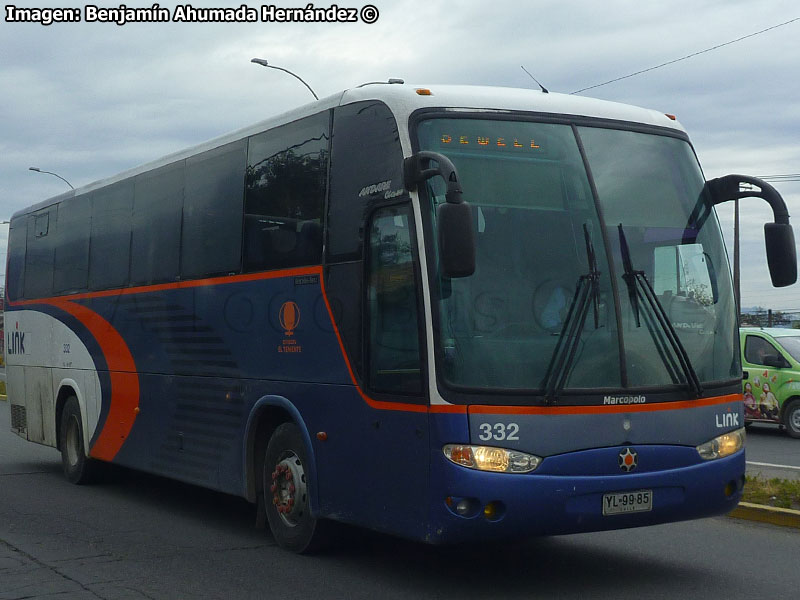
784, 517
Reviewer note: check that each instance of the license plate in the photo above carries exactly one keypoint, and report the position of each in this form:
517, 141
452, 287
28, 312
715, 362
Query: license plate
621, 503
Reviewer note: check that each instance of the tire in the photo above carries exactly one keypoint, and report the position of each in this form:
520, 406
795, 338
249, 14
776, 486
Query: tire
286, 488
791, 418
78, 468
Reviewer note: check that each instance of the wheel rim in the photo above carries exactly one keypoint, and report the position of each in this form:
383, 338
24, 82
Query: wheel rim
794, 419
289, 491
73, 441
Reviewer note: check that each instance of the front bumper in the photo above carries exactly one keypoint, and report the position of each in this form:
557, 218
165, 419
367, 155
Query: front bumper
546, 503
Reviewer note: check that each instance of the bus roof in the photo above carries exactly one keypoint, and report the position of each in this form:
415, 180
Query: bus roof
403, 100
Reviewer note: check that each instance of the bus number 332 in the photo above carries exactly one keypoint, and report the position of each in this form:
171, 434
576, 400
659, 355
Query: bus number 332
499, 432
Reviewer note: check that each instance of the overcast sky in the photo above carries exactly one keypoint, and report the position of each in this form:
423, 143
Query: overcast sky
89, 100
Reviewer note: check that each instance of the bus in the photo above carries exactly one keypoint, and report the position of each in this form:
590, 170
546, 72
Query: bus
446, 313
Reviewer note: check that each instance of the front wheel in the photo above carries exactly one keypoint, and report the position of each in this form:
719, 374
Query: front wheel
78, 468
286, 492
791, 418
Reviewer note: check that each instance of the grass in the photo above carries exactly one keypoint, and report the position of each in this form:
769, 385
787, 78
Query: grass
781, 493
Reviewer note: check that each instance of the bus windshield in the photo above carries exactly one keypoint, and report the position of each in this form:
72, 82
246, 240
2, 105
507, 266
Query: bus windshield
554, 204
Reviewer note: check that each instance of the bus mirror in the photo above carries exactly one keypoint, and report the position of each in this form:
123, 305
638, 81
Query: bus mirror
778, 236
454, 217
456, 239
781, 253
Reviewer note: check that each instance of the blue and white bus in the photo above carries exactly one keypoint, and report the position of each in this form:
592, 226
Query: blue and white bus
445, 313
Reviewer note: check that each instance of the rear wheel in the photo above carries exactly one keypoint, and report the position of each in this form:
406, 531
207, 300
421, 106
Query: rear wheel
791, 418
78, 468
286, 492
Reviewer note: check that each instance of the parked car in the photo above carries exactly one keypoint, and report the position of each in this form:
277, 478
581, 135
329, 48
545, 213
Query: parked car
771, 382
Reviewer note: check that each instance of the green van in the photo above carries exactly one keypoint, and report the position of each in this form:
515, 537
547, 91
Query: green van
771, 382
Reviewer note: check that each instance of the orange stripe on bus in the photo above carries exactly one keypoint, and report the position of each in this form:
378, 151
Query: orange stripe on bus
144, 289
604, 409
127, 377
124, 400
449, 408
377, 404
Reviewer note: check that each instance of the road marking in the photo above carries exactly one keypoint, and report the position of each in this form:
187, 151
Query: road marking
761, 464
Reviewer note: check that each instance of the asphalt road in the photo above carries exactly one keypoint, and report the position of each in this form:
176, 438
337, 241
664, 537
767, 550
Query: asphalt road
772, 453
137, 536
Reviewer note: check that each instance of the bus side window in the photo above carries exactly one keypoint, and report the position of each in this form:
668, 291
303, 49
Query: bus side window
285, 195
40, 253
211, 238
110, 244
15, 275
157, 211
71, 273
394, 357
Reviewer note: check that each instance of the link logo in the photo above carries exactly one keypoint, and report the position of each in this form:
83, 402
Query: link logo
730, 419
15, 341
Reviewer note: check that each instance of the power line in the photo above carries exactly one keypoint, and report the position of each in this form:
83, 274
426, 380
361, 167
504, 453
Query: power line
671, 62
781, 178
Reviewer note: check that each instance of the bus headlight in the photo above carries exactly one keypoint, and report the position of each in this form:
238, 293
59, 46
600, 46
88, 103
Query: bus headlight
722, 446
487, 458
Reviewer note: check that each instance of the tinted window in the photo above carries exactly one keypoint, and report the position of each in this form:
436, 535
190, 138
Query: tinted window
285, 195
394, 361
109, 252
15, 270
72, 253
41, 243
648, 189
157, 208
756, 348
366, 166
792, 345
212, 212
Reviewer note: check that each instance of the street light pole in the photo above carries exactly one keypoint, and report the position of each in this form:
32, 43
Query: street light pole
737, 293
264, 63
38, 170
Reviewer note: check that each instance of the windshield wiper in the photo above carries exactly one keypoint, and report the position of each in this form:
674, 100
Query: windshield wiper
639, 287
586, 293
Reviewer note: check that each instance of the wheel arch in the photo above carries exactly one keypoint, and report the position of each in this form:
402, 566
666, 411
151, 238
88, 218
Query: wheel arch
266, 415
787, 403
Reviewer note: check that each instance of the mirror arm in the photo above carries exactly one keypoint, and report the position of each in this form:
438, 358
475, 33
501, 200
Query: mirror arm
724, 189
417, 169
778, 236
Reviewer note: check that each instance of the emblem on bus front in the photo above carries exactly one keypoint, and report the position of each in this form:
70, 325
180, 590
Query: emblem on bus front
628, 459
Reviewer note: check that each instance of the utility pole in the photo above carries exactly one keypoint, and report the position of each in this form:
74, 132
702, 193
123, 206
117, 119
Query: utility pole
736, 287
